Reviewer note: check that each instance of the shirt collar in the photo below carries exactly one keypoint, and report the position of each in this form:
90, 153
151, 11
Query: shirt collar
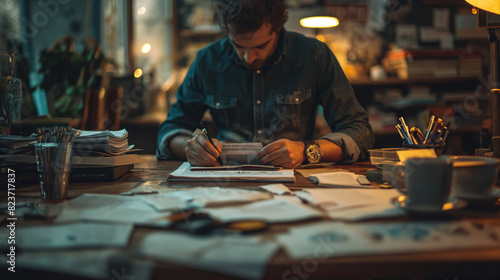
275, 58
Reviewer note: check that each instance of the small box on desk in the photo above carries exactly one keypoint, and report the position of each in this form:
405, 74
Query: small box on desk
438, 148
394, 155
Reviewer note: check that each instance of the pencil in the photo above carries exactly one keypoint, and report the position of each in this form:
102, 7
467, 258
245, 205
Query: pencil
204, 130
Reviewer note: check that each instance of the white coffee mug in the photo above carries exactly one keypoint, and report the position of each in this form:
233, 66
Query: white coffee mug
427, 182
474, 177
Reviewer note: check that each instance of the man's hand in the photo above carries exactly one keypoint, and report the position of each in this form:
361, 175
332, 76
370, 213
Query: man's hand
200, 152
284, 152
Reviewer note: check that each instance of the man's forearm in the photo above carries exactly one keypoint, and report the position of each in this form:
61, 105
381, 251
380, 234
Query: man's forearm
330, 152
178, 146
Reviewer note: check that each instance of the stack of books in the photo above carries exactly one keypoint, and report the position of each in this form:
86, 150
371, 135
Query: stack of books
97, 156
470, 65
408, 64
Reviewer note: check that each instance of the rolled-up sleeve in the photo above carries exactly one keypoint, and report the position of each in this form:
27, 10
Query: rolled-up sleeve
185, 115
342, 111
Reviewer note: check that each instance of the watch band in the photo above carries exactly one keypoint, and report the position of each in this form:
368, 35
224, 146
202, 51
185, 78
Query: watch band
307, 144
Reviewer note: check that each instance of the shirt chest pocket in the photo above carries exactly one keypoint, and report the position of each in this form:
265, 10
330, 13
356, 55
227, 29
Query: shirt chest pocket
294, 106
223, 110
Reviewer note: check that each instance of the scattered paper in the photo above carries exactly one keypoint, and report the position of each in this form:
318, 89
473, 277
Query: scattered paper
203, 197
331, 239
164, 202
277, 210
277, 189
353, 204
80, 235
235, 256
109, 208
90, 263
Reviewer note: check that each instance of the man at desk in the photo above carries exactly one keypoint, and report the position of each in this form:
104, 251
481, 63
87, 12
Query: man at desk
262, 83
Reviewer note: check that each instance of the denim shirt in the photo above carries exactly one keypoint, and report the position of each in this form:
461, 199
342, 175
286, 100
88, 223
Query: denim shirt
279, 100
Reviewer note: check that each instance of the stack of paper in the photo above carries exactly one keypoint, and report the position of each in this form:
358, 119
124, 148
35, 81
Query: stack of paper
10, 144
112, 143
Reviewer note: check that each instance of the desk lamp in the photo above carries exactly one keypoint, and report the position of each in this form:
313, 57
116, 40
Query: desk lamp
492, 6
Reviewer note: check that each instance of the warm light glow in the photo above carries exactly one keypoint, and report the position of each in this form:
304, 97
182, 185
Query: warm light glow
492, 6
138, 72
319, 22
141, 10
321, 38
146, 48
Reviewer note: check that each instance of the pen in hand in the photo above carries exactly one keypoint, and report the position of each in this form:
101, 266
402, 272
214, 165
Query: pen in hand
204, 130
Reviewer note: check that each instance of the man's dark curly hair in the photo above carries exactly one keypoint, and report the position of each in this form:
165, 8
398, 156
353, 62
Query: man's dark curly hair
247, 16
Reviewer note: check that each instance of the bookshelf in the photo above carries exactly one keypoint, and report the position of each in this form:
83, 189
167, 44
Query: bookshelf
451, 93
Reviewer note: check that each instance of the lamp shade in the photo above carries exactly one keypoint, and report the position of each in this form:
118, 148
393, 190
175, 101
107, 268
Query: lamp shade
492, 6
319, 22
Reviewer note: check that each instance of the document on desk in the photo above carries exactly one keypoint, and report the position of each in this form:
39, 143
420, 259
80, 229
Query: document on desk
84, 263
242, 257
335, 239
215, 196
110, 208
240, 153
340, 179
79, 235
184, 173
278, 210
353, 204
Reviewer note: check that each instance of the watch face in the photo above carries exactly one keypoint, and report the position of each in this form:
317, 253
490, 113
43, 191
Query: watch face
313, 154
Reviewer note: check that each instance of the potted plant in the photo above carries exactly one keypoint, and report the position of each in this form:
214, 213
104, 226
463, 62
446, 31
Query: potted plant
68, 74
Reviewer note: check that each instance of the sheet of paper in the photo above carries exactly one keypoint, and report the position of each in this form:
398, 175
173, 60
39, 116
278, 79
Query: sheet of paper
277, 210
203, 197
238, 257
256, 167
89, 263
164, 202
353, 204
109, 208
240, 153
310, 171
338, 179
277, 189
184, 173
329, 239
80, 235
209, 197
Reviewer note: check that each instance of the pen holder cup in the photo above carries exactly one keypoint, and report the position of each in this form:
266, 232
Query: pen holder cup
53, 166
438, 149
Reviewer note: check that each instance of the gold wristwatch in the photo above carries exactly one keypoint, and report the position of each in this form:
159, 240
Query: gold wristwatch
312, 153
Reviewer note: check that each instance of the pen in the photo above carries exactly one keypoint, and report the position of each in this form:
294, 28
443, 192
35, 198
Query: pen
204, 130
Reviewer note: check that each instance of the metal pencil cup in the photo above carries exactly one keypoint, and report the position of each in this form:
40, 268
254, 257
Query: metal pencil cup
53, 165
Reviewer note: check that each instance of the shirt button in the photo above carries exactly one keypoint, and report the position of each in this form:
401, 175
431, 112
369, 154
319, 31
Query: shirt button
258, 102
259, 131
258, 71
217, 104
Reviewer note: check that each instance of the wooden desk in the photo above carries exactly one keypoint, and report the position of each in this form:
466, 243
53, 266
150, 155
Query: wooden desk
461, 264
